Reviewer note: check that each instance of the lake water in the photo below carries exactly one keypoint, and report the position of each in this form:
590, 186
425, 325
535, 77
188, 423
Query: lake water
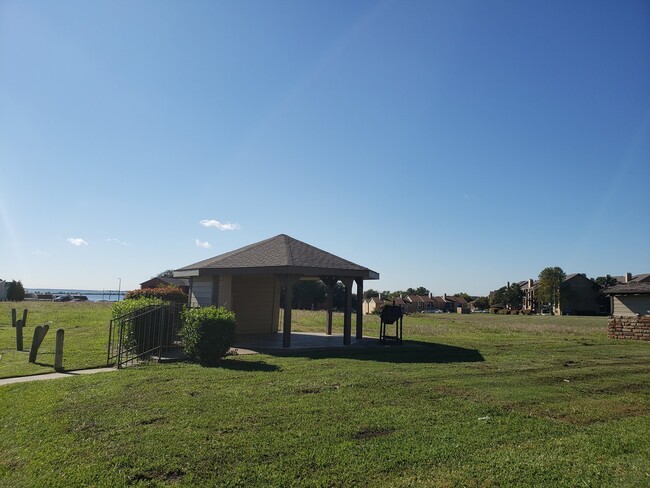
93, 295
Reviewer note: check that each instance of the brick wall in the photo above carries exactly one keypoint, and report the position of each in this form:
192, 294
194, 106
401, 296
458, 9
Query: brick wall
629, 328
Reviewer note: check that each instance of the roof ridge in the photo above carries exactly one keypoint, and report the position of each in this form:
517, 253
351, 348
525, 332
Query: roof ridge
287, 241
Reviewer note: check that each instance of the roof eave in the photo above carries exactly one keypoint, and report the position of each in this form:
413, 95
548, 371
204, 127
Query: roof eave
365, 274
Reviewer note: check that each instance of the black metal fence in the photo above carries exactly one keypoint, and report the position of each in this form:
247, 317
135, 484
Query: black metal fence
143, 334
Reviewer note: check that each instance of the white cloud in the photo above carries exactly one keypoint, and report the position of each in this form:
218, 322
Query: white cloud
76, 241
116, 241
220, 225
203, 244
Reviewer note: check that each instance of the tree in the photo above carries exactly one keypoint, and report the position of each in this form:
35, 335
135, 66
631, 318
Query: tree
420, 290
468, 298
369, 293
309, 294
338, 297
482, 303
549, 287
15, 291
168, 273
606, 281
510, 296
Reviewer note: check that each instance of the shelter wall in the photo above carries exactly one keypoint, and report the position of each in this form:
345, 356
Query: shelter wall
201, 291
256, 303
630, 305
224, 291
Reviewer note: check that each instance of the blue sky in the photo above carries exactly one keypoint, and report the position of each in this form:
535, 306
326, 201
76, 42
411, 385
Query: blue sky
454, 145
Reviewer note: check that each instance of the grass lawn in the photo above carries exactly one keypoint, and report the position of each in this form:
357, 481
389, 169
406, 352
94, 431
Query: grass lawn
86, 336
480, 401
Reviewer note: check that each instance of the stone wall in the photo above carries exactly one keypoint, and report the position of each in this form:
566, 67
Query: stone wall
629, 328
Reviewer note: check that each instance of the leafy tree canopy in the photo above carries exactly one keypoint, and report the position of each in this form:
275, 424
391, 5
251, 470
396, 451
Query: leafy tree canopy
15, 291
606, 281
369, 293
168, 273
482, 303
510, 296
549, 285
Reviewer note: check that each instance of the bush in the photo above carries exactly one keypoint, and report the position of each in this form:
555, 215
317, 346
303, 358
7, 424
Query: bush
208, 333
127, 306
140, 332
494, 310
15, 291
168, 293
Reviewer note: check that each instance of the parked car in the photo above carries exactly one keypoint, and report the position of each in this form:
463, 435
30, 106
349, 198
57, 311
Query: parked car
431, 310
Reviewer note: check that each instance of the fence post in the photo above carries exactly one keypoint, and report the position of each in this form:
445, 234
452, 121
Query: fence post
37, 340
58, 351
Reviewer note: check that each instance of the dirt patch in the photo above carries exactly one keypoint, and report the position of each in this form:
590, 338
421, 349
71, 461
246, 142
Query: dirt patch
372, 432
173, 475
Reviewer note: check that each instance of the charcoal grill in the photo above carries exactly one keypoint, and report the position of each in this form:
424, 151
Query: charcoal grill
391, 314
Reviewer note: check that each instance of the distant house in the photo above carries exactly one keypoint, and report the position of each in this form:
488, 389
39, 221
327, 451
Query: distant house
372, 304
375, 304
528, 302
579, 295
630, 299
182, 283
630, 278
415, 303
454, 303
424, 303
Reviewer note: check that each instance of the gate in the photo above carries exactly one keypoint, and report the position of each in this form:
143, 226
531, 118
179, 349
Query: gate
145, 333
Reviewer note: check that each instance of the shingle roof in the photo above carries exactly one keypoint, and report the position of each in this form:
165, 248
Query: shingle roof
169, 281
629, 289
642, 278
279, 254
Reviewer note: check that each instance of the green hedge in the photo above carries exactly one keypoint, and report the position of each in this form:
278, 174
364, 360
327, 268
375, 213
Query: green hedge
127, 306
139, 332
167, 293
208, 333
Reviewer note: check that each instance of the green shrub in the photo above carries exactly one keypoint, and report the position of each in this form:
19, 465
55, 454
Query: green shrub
141, 333
208, 333
15, 291
167, 293
127, 306
494, 310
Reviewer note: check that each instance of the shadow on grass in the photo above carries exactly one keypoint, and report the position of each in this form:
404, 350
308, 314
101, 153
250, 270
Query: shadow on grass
408, 352
238, 365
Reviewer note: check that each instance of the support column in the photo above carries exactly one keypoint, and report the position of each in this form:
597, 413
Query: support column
331, 283
359, 308
347, 314
287, 285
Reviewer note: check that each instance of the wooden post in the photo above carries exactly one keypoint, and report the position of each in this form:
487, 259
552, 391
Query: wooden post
58, 351
347, 314
19, 336
287, 283
359, 308
19, 325
331, 283
37, 340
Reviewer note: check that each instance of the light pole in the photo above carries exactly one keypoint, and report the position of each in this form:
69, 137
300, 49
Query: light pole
119, 289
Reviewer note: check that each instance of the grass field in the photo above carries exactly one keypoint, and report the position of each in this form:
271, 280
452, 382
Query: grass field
86, 336
480, 401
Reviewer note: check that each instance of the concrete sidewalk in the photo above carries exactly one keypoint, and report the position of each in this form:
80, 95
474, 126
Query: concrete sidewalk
53, 376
